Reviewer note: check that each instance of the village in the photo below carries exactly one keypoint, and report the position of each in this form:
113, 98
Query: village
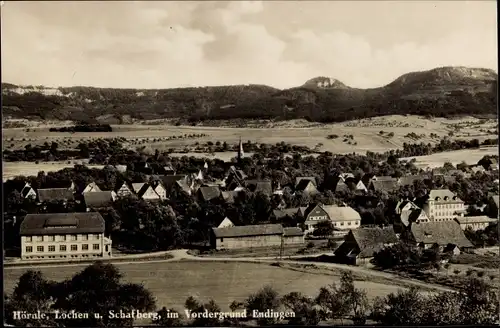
438, 220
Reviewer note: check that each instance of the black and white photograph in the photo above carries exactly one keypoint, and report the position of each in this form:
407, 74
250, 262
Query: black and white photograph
250, 163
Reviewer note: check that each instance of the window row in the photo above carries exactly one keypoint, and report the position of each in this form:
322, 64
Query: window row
63, 237
62, 248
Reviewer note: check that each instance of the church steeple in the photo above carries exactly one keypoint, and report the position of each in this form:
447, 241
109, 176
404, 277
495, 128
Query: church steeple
240, 151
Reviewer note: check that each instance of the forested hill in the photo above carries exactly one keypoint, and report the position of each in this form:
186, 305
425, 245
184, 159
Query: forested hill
444, 91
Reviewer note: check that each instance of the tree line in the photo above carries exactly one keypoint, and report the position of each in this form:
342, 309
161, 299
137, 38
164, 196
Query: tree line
99, 289
84, 128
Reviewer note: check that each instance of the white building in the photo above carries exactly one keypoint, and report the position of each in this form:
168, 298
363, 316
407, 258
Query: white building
63, 236
443, 205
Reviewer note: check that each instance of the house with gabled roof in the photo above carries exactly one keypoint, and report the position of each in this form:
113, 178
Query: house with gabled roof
262, 186
208, 193
343, 217
28, 192
344, 176
405, 205
137, 186
312, 179
55, 195
168, 169
440, 234
360, 245
409, 180
91, 187
121, 168
341, 186
280, 214
386, 185
99, 199
159, 189
306, 186
148, 193
229, 196
124, 189
226, 223
414, 215
475, 223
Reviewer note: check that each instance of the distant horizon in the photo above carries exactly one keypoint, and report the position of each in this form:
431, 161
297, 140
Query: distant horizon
227, 85
174, 44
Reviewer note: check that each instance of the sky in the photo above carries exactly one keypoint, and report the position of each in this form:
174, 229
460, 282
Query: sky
141, 44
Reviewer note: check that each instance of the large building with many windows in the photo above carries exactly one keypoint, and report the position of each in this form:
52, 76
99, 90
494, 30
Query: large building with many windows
443, 205
63, 236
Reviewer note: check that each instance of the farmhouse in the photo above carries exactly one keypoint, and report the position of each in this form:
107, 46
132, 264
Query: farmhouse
293, 236
443, 205
440, 233
249, 236
55, 194
159, 189
361, 244
28, 191
148, 193
136, 187
208, 193
63, 235
384, 185
226, 223
405, 205
299, 179
313, 214
306, 186
124, 190
229, 196
278, 215
343, 217
261, 186
99, 199
91, 187
121, 168
475, 222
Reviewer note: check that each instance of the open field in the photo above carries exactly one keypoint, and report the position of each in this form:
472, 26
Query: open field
13, 169
173, 282
366, 133
469, 156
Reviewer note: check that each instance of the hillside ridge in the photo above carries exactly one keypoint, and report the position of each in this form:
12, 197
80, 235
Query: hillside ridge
442, 91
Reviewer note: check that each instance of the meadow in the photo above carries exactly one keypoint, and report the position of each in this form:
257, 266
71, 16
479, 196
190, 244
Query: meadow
378, 134
172, 282
469, 156
13, 169
366, 133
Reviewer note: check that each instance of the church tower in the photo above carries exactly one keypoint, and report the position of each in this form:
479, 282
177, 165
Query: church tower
240, 152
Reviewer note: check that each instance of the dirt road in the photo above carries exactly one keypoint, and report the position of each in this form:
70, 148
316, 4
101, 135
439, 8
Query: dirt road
183, 255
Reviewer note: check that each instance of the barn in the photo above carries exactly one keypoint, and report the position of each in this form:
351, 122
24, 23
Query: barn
293, 236
262, 235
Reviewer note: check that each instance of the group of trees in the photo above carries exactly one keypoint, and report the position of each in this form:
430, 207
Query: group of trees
99, 289
402, 256
84, 128
445, 144
484, 237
